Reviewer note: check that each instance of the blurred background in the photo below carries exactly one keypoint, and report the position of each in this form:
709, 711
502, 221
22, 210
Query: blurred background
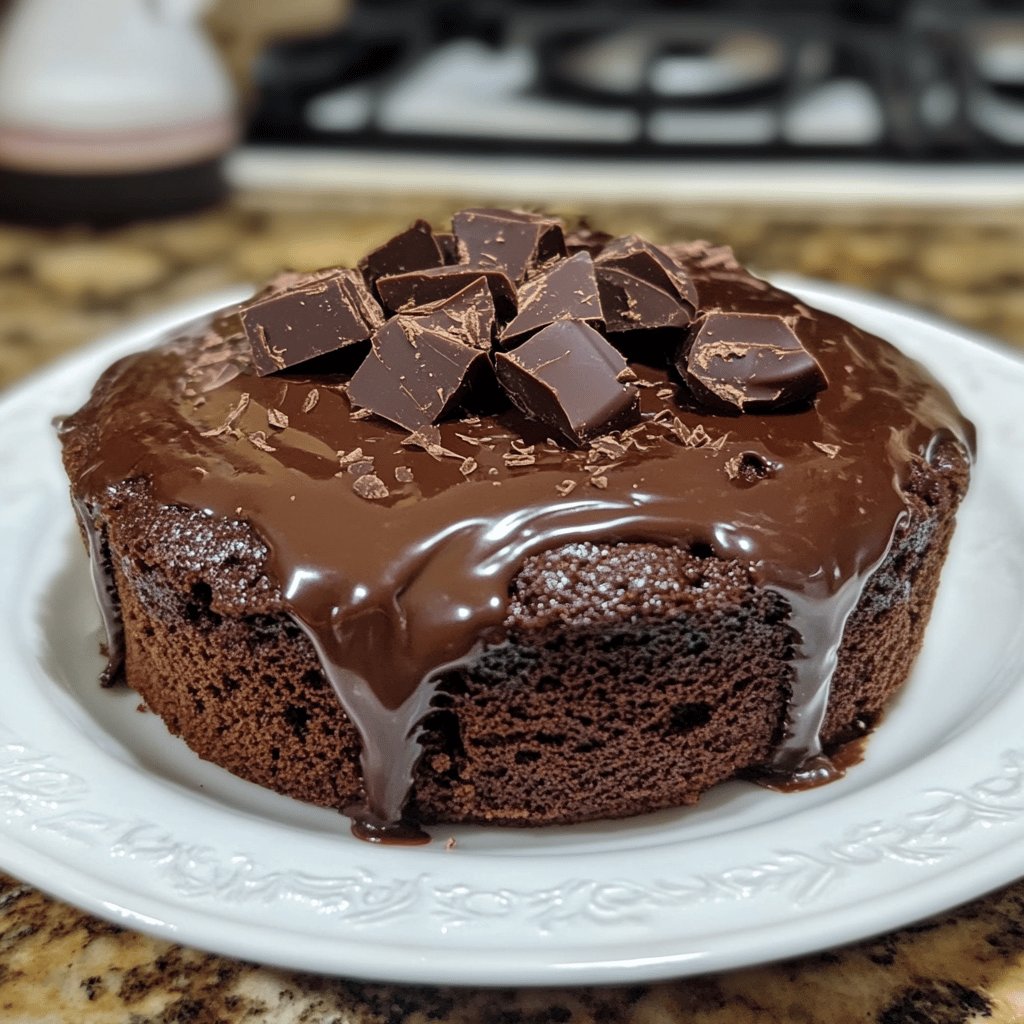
153, 150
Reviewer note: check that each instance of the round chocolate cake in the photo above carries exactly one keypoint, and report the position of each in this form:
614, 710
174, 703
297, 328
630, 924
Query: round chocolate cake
517, 524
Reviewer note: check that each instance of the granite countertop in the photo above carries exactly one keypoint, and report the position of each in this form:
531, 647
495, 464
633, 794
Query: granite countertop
60, 289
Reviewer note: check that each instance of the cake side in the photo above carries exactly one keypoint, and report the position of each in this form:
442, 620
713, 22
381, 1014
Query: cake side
633, 677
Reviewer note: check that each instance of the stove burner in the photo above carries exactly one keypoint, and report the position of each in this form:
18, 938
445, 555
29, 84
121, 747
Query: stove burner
909, 78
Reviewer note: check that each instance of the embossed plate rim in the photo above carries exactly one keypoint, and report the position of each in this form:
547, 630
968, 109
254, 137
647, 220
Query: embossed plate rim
948, 832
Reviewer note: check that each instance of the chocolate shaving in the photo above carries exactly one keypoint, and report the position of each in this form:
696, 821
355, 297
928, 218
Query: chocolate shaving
258, 439
831, 450
309, 402
350, 458
231, 419
566, 487
403, 474
370, 487
277, 419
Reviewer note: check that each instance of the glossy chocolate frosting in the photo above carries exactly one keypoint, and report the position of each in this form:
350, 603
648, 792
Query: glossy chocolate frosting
395, 554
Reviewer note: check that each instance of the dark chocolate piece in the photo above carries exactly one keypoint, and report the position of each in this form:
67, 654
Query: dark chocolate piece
413, 249
414, 376
585, 239
630, 303
565, 291
704, 255
467, 317
292, 325
404, 292
570, 378
508, 240
449, 246
749, 362
637, 256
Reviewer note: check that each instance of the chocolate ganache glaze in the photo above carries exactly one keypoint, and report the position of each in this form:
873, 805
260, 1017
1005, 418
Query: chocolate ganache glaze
394, 547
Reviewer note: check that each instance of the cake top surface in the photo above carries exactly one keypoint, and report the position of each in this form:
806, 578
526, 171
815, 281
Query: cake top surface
403, 436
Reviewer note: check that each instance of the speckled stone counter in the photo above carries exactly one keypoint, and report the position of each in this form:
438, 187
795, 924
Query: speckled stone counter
60, 289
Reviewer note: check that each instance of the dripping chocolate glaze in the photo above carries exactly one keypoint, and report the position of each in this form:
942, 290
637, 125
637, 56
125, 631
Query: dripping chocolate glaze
395, 589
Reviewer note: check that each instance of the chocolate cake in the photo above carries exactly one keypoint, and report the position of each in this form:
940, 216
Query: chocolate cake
515, 524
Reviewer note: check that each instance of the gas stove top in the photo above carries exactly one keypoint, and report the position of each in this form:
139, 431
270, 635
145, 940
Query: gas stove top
913, 79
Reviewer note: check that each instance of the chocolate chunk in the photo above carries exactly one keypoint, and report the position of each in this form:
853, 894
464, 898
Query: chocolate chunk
750, 362
630, 303
449, 247
413, 249
289, 280
585, 239
294, 324
414, 376
404, 292
567, 377
637, 256
468, 316
704, 255
508, 240
565, 291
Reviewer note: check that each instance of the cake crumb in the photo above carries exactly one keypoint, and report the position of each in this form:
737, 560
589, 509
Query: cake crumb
403, 474
468, 467
449, 844
600, 482
566, 487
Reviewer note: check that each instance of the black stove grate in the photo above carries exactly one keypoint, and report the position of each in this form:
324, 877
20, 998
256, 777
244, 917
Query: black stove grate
918, 79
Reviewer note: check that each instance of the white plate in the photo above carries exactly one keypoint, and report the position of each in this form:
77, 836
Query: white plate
101, 807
